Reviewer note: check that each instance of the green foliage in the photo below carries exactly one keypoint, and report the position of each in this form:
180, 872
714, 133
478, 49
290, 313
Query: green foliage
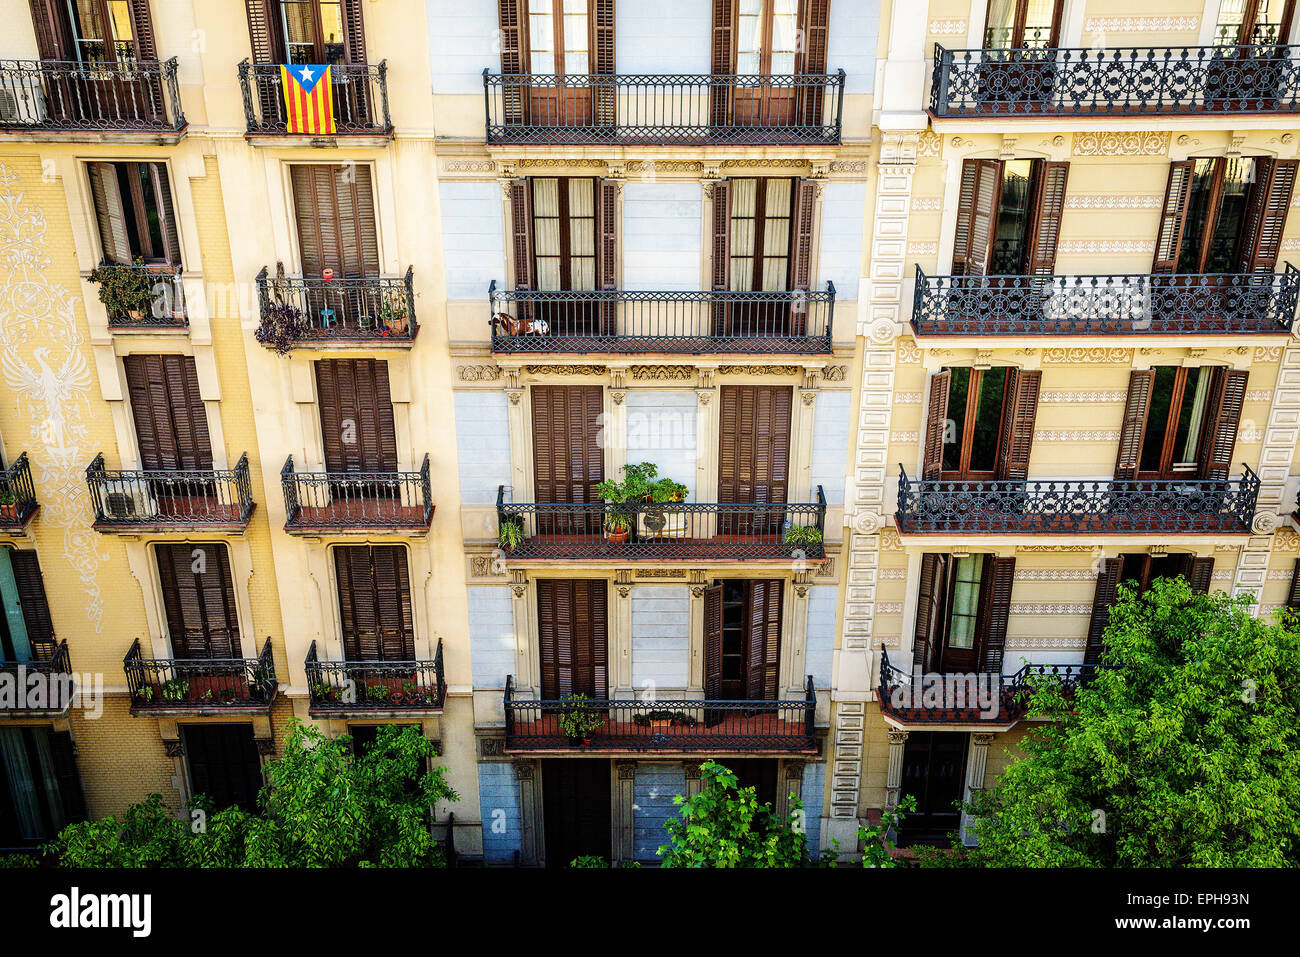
283, 324
589, 860
511, 534
122, 289
876, 842
635, 487
17, 861
576, 719
1187, 755
802, 535
726, 826
322, 807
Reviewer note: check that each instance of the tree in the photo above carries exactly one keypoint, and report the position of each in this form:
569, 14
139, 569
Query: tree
322, 806
724, 825
1185, 752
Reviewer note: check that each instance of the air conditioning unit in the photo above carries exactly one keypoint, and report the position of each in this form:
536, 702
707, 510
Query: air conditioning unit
126, 500
22, 102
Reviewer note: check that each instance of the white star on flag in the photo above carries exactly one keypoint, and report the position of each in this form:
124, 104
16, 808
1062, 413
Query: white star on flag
306, 74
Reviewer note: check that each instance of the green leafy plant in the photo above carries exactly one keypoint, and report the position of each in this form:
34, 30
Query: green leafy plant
635, 486
175, 689
144, 694
392, 315
377, 692
125, 291
665, 490
589, 860
283, 325
878, 839
510, 534
618, 522
802, 535
577, 719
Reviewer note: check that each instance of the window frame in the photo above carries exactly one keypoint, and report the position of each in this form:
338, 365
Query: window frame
964, 473
564, 218
758, 257
1017, 35
1167, 469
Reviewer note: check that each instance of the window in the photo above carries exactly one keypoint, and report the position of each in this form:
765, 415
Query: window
1215, 213
134, 211
40, 789
356, 417
1140, 570
573, 638
102, 30
963, 604
313, 31
933, 772
199, 600
767, 37
26, 629
742, 640
975, 403
374, 589
564, 232
1254, 21
1009, 217
1180, 422
171, 422
762, 38
223, 764
1175, 422
1021, 24
980, 423
761, 211
335, 213
967, 573
557, 37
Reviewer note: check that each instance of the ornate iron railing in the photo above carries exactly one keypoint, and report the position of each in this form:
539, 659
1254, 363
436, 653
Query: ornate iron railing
693, 323
1120, 81
172, 498
1077, 506
316, 311
357, 687
17, 494
360, 92
186, 684
1105, 305
55, 689
674, 530
677, 110
167, 310
68, 96
930, 697
681, 725
362, 501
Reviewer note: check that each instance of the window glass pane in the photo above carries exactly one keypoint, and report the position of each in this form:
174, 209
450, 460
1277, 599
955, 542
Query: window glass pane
1011, 243
1191, 417
1198, 215
744, 194
785, 36
988, 420
776, 234
1038, 23
956, 424
88, 30
119, 12
1238, 174
998, 24
331, 28
1162, 393
575, 36
541, 37
546, 232
299, 32
749, 37
965, 601
152, 221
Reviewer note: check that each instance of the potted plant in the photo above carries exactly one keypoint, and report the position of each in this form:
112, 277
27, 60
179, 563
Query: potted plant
658, 719
320, 691
8, 505
145, 694
124, 290
377, 692
511, 534
660, 522
618, 526
578, 720
635, 487
805, 538
175, 689
392, 313
282, 325
684, 719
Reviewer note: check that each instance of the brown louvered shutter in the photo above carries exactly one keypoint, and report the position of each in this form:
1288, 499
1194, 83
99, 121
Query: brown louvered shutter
573, 638
48, 21
713, 642
513, 54
721, 253
31, 595
521, 221
1018, 424
1002, 572
107, 197
1102, 599
568, 461
927, 607
202, 617
1046, 230
1173, 217
805, 206
171, 423
935, 424
812, 61
722, 60
977, 204
63, 756
1293, 593
166, 213
1134, 424
764, 654
607, 249
356, 391
754, 444
1198, 577
393, 603
354, 26
603, 61
374, 589
263, 36
335, 213
142, 23
1223, 417
546, 638
1270, 198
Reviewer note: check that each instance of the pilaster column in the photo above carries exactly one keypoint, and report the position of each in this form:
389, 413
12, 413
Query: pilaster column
695, 676
624, 804
517, 417
795, 639
791, 778
525, 635
621, 638
975, 765
894, 774
693, 782
528, 775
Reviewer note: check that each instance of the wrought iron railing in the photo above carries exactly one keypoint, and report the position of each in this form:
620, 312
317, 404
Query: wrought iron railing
52, 691
1120, 81
170, 498
678, 110
65, 96
17, 494
929, 697
316, 311
360, 686
1077, 505
167, 308
360, 94
172, 684
679, 725
1105, 305
692, 323
672, 530
357, 500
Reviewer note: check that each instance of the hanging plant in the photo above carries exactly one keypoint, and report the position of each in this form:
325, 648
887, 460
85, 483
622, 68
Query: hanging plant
283, 325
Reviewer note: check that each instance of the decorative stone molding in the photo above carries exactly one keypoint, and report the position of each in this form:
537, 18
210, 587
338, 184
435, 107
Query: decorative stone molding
927, 204
953, 27
625, 770
1105, 247
469, 166
174, 747
1079, 398
265, 746
1095, 354
908, 351
540, 370
1141, 24
478, 373
1117, 201
759, 370
1055, 575
1051, 608
486, 566
1039, 643
929, 143
835, 373
661, 573
1077, 435
1151, 143
666, 373
491, 747
910, 398
524, 770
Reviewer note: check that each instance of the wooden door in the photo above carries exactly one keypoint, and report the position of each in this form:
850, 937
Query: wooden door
573, 638
171, 423
568, 461
374, 589
934, 772
334, 210
753, 458
742, 640
576, 810
199, 600
223, 764
356, 415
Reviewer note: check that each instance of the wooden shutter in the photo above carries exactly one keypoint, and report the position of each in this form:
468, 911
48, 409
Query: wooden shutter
31, 595
146, 49
1173, 217
375, 616
356, 391
573, 637
764, 654
754, 443
49, 22
521, 220
354, 26
722, 60
166, 213
1134, 423
721, 253
805, 205
1001, 574
335, 212
202, 617
977, 204
1223, 417
568, 461
514, 53
1102, 599
713, 642
1270, 198
263, 33
933, 576
935, 424
108, 212
1198, 576
812, 59
1018, 424
63, 755
1293, 593
1048, 207
171, 423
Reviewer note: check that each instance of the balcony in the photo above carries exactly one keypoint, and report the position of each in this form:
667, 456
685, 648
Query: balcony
316, 502
673, 323
359, 93
71, 99
912, 698
374, 688
654, 110
166, 288
665, 727
17, 496
25, 695
685, 531
302, 312
1251, 303
201, 686
1072, 506
170, 500
1120, 81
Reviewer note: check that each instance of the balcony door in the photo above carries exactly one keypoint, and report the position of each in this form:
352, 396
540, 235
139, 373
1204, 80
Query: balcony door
576, 810
754, 40
742, 640
374, 590
26, 628
40, 787
558, 43
934, 772
356, 415
962, 609
1138, 571
198, 594
1009, 218
1254, 22
753, 458
310, 32
980, 425
223, 763
135, 214
568, 456
573, 638
171, 422
1022, 24
334, 210
1180, 422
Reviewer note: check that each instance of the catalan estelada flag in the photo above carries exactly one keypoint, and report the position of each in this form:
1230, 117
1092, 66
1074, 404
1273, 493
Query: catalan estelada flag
308, 98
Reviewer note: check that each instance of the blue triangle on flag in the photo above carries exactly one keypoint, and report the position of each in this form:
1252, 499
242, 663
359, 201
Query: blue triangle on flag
307, 75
